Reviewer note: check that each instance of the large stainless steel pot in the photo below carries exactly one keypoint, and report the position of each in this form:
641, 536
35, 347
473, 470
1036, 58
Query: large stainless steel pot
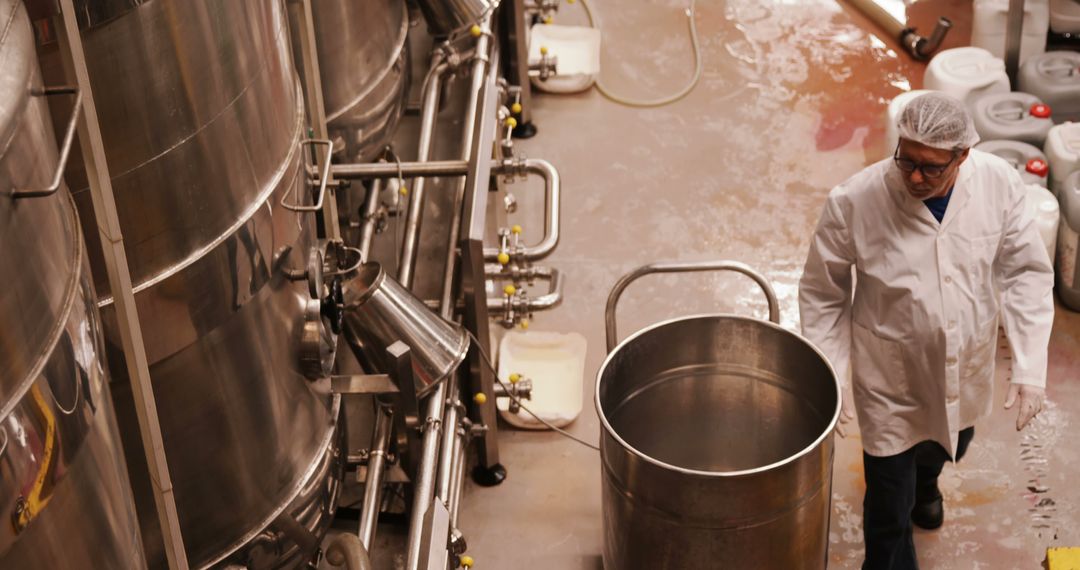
203, 123
717, 441
363, 52
64, 493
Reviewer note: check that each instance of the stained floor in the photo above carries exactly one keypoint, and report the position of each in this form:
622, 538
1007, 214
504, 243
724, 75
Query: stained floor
790, 104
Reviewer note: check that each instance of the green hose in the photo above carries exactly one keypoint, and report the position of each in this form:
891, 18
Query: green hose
691, 15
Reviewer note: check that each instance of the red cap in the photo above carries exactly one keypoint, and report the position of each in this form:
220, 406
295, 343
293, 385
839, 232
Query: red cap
1038, 167
1040, 110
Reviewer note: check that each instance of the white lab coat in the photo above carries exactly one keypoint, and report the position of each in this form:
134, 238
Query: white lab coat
920, 330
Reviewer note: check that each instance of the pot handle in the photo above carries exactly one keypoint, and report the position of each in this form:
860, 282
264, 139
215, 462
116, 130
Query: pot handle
620, 286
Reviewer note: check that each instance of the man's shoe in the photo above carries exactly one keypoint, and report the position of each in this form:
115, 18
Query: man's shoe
929, 515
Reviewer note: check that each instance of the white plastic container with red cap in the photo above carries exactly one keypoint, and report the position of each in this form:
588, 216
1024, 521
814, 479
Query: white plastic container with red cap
1065, 16
1028, 160
892, 134
966, 73
1011, 116
991, 19
1068, 253
1063, 153
1043, 207
1054, 77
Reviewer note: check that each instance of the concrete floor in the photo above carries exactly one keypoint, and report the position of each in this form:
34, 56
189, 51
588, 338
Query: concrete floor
790, 104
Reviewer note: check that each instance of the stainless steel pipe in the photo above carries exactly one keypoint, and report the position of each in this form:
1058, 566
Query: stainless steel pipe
424, 489
403, 169
546, 301
414, 217
552, 205
369, 513
918, 47
367, 221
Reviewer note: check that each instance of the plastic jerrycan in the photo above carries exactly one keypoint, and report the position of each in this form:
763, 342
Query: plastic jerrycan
966, 73
1028, 160
990, 22
1067, 263
1054, 77
1043, 207
1063, 153
1012, 116
1065, 16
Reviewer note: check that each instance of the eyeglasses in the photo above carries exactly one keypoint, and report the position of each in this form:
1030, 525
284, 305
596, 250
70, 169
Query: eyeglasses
928, 170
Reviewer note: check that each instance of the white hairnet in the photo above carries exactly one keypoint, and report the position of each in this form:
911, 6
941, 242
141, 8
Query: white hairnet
937, 120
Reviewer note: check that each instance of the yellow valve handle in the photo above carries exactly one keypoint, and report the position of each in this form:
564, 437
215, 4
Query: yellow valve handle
509, 289
515, 378
543, 50
510, 122
515, 229
476, 31
548, 19
480, 398
515, 108
524, 323
504, 258
467, 561
404, 191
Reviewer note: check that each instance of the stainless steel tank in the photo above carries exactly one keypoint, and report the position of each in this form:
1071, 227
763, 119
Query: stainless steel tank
717, 441
64, 490
203, 125
364, 63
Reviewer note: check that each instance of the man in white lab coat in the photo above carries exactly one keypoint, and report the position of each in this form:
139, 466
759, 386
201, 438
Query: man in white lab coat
941, 245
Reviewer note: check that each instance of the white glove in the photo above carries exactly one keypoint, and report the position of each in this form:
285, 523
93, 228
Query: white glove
1031, 402
847, 411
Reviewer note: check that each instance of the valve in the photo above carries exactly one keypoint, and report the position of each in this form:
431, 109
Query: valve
520, 388
542, 10
546, 67
466, 561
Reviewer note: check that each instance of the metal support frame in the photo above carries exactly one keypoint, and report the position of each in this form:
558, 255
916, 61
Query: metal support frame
316, 112
116, 266
395, 396
512, 32
1014, 31
472, 268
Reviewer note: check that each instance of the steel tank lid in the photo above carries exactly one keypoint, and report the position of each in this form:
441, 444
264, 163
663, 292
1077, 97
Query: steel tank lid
17, 58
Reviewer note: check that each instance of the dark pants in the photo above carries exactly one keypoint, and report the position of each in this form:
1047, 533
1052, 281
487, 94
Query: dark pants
894, 485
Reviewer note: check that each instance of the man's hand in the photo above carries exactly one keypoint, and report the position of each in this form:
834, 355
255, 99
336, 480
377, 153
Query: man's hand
847, 411
1031, 402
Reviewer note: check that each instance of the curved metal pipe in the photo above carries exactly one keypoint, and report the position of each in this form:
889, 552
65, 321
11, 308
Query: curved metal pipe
552, 205
347, 550
543, 302
917, 46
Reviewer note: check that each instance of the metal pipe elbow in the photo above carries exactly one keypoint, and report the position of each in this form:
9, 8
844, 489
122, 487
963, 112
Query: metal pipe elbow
347, 550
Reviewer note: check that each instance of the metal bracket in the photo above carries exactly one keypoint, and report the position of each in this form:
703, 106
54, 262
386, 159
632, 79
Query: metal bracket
65, 148
322, 179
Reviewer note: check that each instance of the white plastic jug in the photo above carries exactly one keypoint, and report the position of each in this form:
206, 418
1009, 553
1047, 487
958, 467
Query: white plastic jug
991, 21
1043, 206
892, 135
966, 73
555, 364
1065, 16
1062, 153
1068, 254
577, 53
1054, 77
1028, 160
1011, 116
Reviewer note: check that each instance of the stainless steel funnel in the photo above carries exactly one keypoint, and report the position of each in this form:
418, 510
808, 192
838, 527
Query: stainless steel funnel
379, 312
